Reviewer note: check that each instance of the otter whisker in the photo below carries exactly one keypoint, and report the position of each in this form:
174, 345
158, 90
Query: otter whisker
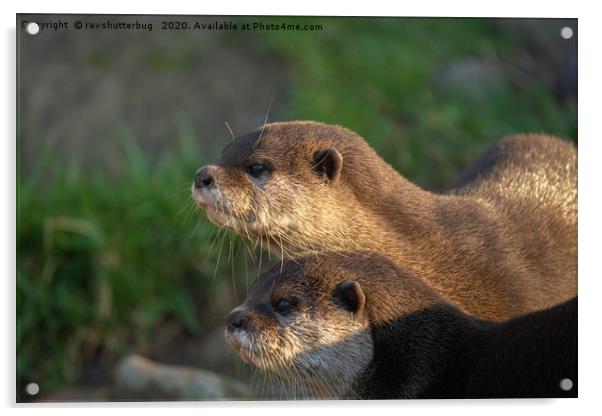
231, 262
265, 122
219, 255
230, 130
215, 233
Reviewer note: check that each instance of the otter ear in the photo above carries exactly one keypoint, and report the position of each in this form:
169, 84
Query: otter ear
351, 296
328, 163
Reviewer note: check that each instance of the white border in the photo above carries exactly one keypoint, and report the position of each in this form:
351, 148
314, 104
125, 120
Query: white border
590, 139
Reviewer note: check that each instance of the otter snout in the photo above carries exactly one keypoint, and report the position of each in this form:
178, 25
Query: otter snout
204, 177
237, 320
238, 327
238, 335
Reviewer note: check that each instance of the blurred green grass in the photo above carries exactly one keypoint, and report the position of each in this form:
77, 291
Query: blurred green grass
104, 261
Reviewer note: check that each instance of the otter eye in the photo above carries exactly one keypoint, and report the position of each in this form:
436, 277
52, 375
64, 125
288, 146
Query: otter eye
256, 169
283, 306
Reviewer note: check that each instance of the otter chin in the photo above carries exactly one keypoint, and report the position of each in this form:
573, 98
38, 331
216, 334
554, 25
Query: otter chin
354, 325
501, 243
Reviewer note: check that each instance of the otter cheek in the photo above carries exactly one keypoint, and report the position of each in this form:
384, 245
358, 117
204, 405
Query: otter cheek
234, 203
276, 204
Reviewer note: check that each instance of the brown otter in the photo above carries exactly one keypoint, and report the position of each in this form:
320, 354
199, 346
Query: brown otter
354, 325
500, 244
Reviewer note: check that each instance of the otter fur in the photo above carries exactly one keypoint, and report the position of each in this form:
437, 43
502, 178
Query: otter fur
354, 325
501, 243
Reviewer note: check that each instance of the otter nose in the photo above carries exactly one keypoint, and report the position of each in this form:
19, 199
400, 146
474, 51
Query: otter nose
237, 320
203, 178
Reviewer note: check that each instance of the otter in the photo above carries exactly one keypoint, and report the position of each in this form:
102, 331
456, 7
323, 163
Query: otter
502, 243
354, 325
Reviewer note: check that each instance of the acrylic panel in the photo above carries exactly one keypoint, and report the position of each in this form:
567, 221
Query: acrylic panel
295, 207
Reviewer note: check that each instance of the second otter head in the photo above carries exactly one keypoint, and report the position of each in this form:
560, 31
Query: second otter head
304, 324
283, 183
312, 319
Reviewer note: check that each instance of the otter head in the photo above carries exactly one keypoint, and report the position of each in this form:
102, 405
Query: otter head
305, 324
312, 319
282, 183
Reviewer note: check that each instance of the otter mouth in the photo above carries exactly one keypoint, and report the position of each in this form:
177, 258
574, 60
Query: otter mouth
199, 196
204, 200
241, 344
259, 359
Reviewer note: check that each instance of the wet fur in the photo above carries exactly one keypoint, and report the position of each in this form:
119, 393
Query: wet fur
502, 243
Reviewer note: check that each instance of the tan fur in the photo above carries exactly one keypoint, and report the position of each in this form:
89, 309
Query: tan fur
500, 244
